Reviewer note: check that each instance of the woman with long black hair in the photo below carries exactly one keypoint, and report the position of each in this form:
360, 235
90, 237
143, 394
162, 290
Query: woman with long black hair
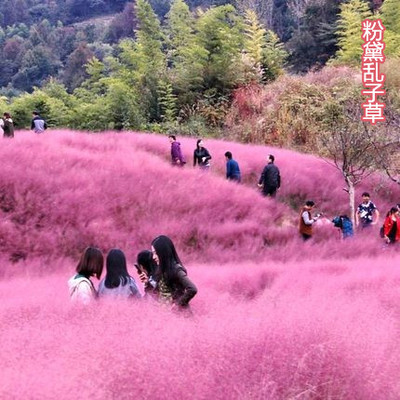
174, 286
118, 283
201, 156
148, 272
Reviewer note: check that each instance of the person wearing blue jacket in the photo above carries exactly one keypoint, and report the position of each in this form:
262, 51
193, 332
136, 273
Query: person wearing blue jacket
232, 168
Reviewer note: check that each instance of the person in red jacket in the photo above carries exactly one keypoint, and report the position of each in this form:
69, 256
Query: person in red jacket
391, 226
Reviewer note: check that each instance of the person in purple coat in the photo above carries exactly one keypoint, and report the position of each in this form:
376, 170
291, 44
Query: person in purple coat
176, 152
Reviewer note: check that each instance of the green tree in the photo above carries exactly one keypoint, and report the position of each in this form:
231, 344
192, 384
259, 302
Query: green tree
253, 47
390, 14
148, 59
274, 56
167, 101
254, 42
74, 72
37, 64
94, 85
179, 29
186, 56
266, 53
219, 33
122, 106
149, 38
349, 31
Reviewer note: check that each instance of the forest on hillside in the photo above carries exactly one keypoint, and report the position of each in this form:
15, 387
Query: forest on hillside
55, 38
219, 70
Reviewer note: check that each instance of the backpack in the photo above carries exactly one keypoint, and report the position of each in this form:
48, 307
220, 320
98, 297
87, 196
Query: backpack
337, 222
343, 222
347, 226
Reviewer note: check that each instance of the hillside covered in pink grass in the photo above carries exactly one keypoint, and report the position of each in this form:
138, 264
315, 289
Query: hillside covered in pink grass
274, 318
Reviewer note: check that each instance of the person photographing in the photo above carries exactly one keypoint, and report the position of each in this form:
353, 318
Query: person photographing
307, 220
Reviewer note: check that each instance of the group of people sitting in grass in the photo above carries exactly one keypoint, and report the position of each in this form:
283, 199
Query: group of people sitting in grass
160, 270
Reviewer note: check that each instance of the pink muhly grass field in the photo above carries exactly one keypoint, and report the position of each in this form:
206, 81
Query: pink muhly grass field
274, 318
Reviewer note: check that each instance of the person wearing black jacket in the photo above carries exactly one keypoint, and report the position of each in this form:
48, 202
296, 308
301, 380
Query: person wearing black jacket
201, 156
174, 286
7, 125
270, 179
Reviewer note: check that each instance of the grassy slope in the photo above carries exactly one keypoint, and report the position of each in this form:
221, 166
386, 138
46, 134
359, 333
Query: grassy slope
325, 327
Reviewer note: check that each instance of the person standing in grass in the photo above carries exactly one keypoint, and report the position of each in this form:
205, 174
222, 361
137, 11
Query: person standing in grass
391, 226
201, 156
38, 124
270, 179
174, 286
232, 168
81, 288
367, 214
8, 125
176, 152
307, 221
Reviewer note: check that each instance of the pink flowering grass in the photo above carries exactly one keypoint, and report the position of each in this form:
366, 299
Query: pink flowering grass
311, 330
64, 191
274, 318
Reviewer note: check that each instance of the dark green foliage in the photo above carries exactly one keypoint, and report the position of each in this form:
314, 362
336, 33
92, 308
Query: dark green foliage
134, 70
349, 31
282, 21
74, 72
37, 64
315, 41
122, 25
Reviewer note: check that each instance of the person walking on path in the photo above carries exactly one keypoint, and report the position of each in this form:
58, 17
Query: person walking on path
201, 156
8, 125
38, 124
176, 152
232, 168
270, 179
